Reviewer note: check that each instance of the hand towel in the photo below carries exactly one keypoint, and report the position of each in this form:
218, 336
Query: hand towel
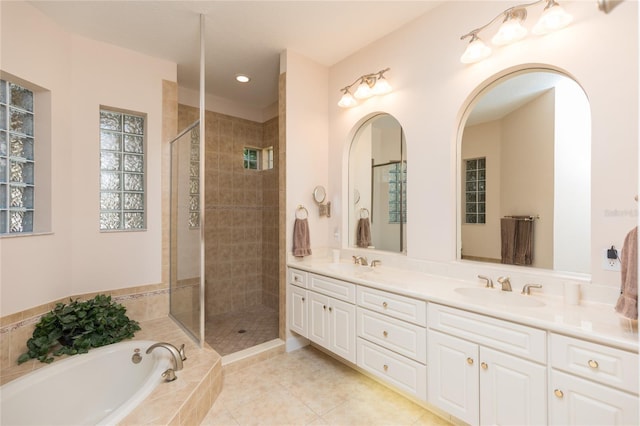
363, 233
507, 240
627, 304
301, 240
524, 242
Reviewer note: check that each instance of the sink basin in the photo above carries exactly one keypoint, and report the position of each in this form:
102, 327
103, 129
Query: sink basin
346, 267
486, 296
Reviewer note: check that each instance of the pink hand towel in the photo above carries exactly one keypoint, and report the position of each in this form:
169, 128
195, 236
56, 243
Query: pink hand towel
627, 304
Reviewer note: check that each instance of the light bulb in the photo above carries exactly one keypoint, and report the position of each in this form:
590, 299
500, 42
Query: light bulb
363, 91
347, 100
553, 18
476, 51
510, 31
382, 87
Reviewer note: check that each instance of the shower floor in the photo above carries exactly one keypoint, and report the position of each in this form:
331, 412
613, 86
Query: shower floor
235, 331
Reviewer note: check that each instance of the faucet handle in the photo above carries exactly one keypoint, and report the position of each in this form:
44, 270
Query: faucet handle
376, 262
526, 289
488, 280
182, 353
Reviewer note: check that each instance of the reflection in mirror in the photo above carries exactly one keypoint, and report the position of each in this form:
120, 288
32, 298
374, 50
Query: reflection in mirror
525, 161
378, 185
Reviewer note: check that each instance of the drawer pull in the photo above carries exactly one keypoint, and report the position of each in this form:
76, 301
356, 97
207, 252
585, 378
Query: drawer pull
385, 333
558, 393
384, 305
470, 361
484, 365
593, 363
385, 367
296, 279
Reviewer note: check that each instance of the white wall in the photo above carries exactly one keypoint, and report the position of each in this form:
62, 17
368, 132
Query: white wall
306, 145
82, 75
432, 89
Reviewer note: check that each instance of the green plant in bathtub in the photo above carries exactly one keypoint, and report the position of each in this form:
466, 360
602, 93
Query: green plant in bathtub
77, 327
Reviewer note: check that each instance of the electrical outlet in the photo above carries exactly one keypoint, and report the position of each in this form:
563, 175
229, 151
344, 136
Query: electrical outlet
610, 264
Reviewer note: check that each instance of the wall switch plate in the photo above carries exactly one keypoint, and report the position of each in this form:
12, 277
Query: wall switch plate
610, 264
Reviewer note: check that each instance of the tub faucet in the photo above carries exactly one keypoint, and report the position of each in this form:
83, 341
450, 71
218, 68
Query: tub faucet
178, 356
506, 284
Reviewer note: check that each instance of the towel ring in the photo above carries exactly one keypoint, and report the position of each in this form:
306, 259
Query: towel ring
301, 209
364, 210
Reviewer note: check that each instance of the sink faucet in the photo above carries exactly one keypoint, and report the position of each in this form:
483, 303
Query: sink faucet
178, 357
506, 284
360, 260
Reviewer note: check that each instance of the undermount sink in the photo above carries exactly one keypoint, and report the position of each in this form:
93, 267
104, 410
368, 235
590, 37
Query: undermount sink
347, 267
484, 296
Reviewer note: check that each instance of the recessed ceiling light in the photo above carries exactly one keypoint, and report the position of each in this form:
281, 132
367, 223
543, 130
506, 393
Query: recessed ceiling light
242, 78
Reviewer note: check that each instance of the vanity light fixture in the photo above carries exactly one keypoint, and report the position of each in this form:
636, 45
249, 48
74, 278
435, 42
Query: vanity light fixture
512, 29
374, 84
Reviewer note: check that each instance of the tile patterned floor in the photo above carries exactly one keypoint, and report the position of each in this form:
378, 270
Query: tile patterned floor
235, 331
307, 387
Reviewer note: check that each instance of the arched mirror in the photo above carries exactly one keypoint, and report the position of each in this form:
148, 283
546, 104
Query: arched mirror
525, 173
378, 186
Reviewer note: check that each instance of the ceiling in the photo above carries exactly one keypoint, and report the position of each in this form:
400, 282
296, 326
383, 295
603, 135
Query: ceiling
241, 36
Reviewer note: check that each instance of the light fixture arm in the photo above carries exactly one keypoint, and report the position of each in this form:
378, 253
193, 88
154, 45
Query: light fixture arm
519, 12
370, 79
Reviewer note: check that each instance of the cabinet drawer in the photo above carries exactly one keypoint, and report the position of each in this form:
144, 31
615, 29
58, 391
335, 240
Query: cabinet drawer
401, 307
330, 287
610, 366
520, 340
398, 336
395, 369
298, 277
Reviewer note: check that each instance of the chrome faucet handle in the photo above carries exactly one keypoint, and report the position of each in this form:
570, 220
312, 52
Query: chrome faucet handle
488, 280
182, 353
356, 259
375, 263
363, 261
506, 284
169, 375
527, 288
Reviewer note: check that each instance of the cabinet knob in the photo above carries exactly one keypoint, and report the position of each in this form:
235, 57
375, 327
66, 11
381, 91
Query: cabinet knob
593, 364
484, 365
296, 279
303, 299
385, 333
558, 393
384, 305
385, 367
324, 307
470, 361
330, 309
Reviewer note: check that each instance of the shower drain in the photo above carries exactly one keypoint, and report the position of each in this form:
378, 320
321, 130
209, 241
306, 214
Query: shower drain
242, 331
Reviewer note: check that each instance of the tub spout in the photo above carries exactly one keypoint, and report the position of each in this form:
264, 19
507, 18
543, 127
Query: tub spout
177, 356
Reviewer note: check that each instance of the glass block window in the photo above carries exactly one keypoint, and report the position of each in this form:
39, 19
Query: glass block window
122, 171
16, 159
398, 193
475, 190
251, 158
194, 180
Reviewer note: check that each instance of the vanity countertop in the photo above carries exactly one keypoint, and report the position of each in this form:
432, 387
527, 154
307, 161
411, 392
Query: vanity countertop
596, 322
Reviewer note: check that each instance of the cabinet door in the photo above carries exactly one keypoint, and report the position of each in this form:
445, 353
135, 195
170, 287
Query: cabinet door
318, 330
453, 379
298, 310
512, 390
342, 333
576, 401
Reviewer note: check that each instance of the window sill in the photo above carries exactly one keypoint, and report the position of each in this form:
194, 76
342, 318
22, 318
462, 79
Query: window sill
25, 234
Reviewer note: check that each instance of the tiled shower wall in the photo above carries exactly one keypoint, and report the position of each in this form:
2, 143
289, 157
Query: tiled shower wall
241, 214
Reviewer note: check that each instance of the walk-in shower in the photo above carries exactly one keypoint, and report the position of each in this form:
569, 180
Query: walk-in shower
241, 229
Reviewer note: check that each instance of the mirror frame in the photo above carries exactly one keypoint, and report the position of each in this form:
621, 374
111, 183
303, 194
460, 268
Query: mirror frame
467, 107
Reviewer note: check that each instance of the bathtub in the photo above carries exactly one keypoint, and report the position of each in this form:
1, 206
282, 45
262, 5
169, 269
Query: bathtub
97, 388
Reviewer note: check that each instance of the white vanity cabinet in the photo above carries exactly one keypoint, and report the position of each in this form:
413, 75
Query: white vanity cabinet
297, 301
332, 315
484, 370
392, 339
592, 383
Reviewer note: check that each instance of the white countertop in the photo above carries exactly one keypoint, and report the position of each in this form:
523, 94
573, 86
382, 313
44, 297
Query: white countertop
596, 322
